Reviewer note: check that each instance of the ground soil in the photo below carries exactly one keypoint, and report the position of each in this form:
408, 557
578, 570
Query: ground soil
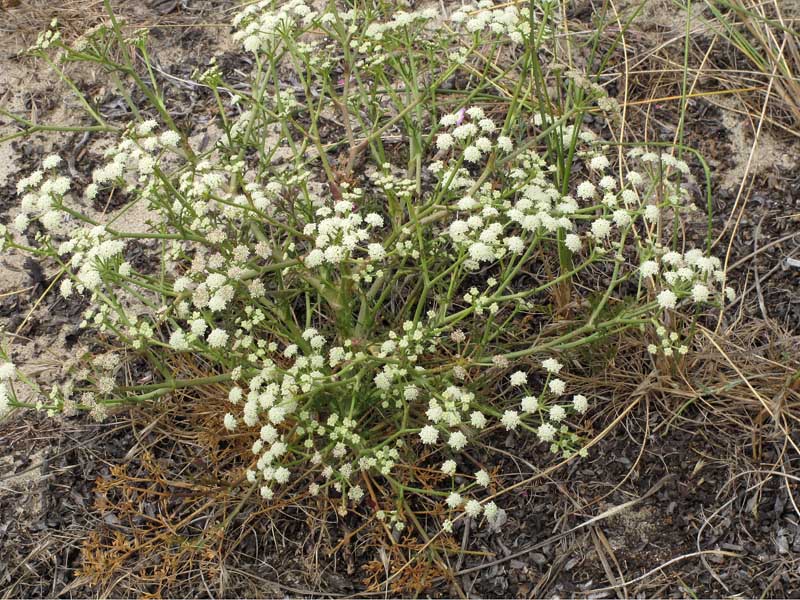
685, 503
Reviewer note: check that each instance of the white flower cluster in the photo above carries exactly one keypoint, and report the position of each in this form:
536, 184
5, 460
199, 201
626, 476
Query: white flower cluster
134, 160
94, 252
472, 133
400, 20
42, 197
486, 218
670, 343
665, 159
48, 38
448, 414
493, 223
278, 396
373, 41
340, 233
549, 414
677, 275
502, 19
260, 25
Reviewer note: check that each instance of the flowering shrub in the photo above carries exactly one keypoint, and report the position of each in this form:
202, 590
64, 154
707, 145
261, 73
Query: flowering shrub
394, 245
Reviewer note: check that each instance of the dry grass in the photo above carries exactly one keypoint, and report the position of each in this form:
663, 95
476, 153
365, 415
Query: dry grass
738, 48
765, 36
20, 23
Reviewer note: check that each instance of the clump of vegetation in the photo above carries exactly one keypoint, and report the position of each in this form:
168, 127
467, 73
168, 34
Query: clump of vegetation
401, 239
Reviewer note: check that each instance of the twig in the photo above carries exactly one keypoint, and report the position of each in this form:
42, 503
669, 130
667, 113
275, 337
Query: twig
750, 288
756, 239
671, 561
761, 249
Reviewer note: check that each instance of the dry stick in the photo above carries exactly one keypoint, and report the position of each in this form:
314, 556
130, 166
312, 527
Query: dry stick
464, 539
790, 370
77, 446
635, 464
692, 95
757, 276
761, 249
602, 547
371, 491
297, 591
665, 44
717, 72
15, 292
782, 460
546, 577
38, 302
671, 561
24, 563
789, 81
684, 108
749, 289
744, 179
711, 94
766, 472
786, 478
